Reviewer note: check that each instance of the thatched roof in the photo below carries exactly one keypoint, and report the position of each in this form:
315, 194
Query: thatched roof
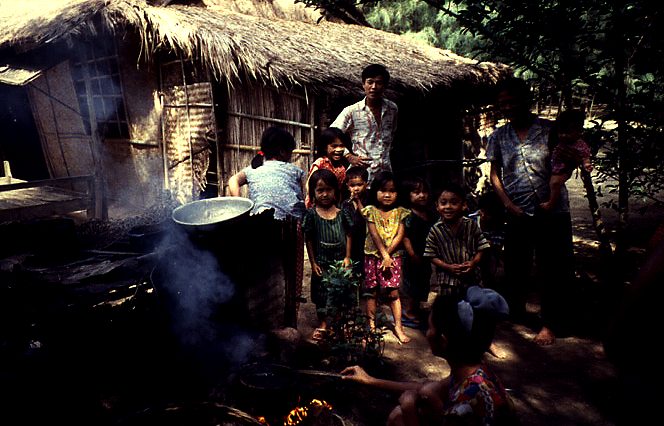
325, 56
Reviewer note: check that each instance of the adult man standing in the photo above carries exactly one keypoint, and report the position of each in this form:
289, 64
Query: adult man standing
370, 123
520, 172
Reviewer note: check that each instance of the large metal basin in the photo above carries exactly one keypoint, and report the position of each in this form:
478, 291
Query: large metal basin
211, 213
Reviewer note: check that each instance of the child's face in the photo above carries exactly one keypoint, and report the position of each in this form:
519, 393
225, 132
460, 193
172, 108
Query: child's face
387, 195
419, 197
335, 150
324, 194
356, 186
450, 206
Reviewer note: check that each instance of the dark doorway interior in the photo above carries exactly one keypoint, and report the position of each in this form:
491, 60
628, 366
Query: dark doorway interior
19, 140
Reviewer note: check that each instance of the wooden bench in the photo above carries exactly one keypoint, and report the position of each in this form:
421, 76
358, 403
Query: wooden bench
23, 200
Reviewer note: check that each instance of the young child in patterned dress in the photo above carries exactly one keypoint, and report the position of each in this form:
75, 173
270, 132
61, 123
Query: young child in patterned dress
383, 248
327, 236
330, 154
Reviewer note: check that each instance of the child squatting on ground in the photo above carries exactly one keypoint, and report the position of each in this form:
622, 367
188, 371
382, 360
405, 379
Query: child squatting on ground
455, 244
570, 152
382, 249
416, 270
328, 239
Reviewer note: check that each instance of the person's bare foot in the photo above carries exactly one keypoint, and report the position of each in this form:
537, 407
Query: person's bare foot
496, 351
545, 337
401, 336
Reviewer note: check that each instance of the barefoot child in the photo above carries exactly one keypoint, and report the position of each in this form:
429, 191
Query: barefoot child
331, 148
327, 235
416, 271
382, 248
570, 152
455, 244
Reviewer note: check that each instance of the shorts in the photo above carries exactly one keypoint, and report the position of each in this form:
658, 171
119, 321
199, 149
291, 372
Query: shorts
375, 277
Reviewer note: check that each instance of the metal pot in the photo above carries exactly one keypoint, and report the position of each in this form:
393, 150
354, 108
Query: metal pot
210, 214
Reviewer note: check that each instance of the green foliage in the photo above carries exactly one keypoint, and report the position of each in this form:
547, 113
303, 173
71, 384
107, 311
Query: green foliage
349, 336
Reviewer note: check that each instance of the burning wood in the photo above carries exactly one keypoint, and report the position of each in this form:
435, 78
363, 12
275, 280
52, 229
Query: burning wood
299, 415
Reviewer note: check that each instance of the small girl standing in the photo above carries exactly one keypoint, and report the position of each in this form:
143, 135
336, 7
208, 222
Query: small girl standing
330, 154
382, 248
327, 235
416, 270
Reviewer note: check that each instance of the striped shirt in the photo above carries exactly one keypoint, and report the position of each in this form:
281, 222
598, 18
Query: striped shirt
455, 248
328, 236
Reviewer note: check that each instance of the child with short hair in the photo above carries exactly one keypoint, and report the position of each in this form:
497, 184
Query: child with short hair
570, 152
357, 182
382, 248
416, 272
330, 153
328, 239
455, 244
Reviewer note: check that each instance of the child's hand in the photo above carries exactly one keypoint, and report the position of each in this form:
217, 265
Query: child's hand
455, 268
387, 263
466, 267
347, 262
546, 206
316, 269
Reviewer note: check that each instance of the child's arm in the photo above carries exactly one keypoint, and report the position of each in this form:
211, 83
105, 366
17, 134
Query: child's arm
315, 267
235, 182
468, 266
347, 259
555, 184
380, 246
452, 268
398, 239
409, 248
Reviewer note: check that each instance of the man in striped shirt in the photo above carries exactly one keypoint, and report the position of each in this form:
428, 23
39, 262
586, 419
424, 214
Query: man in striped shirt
455, 244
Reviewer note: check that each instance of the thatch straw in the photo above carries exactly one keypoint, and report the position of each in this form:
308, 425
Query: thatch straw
325, 56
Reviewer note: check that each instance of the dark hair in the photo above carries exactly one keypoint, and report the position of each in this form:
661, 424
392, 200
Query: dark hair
375, 70
326, 176
328, 136
570, 119
454, 188
411, 184
379, 181
357, 171
462, 346
273, 141
516, 87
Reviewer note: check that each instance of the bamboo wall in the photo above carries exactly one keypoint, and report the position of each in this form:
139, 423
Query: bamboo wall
253, 108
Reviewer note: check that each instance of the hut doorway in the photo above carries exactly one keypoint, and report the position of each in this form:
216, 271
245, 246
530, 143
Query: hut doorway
19, 139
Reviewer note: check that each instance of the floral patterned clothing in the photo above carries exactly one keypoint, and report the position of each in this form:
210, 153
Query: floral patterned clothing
387, 227
325, 163
479, 399
276, 185
559, 166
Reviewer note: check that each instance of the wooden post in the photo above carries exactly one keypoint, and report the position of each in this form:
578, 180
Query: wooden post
8, 171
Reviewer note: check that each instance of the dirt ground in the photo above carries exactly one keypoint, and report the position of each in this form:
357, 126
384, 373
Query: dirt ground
71, 354
569, 383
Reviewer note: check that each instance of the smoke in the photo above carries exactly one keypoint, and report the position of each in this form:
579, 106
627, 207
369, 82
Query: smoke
200, 299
